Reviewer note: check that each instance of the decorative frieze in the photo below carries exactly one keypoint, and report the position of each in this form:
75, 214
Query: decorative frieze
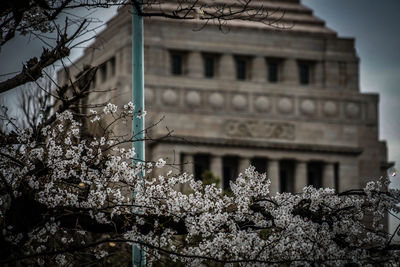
258, 104
257, 128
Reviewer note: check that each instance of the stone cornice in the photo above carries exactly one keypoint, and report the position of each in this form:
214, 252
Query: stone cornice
343, 150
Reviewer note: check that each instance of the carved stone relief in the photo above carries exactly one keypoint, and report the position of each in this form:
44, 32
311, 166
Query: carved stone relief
170, 97
239, 102
330, 108
285, 105
257, 128
262, 104
308, 107
193, 98
216, 100
352, 110
149, 95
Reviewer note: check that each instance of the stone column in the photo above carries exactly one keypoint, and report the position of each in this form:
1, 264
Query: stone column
244, 163
172, 157
188, 163
195, 64
216, 168
300, 176
227, 68
328, 175
319, 75
332, 73
290, 72
259, 70
109, 69
273, 174
119, 70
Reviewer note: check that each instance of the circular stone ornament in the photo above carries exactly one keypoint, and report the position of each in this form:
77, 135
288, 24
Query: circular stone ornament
308, 107
170, 97
216, 100
330, 108
262, 104
239, 102
352, 110
285, 105
149, 95
193, 99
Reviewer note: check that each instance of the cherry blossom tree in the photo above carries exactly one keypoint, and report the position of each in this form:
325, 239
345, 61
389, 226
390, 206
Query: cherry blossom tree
62, 195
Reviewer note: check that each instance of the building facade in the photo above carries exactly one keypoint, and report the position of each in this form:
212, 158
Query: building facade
286, 101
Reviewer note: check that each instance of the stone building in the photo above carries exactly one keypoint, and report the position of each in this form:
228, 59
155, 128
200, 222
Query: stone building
286, 101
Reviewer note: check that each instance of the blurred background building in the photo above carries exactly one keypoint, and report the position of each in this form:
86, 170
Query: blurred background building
286, 101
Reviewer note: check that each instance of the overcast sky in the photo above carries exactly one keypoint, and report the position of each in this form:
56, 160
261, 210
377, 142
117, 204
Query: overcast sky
374, 24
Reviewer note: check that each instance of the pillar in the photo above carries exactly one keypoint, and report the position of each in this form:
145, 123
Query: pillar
300, 176
172, 158
328, 175
244, 163
195, 64
273, 175
259, 70
109, 69
188, 163
226, 68
319, 75
216, 168
290, 72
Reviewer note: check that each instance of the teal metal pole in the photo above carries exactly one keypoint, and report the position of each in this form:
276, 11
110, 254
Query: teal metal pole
138, 252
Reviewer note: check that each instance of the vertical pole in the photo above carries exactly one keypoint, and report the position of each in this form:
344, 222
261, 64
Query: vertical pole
138, 252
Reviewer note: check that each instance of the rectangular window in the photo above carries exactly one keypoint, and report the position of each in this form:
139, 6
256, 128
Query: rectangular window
230, 170
336, 175
209, 66
314, 174
112, 65
242, 68
201, 165
178, 62
286, 175
304, 70
103, 72
273, 72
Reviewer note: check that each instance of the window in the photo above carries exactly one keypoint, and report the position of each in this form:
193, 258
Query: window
273, 72
230, 170
242, 68
103, 72
314, 174
286, 175
112, 65
178, 63
304, 69
336, 175
209, 66
201, 165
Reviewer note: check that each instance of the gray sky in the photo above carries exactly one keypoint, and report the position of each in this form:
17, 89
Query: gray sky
374, 24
